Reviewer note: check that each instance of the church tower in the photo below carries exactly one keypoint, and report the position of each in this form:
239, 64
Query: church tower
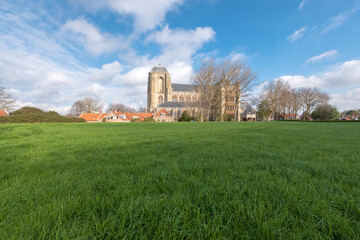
159, 87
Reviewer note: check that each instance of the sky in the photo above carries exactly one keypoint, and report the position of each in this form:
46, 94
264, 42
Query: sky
54, 52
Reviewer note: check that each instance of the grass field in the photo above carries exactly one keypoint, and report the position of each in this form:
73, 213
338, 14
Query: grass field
274, 180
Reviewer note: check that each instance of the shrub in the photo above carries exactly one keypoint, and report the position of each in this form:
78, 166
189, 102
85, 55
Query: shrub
35, 115
185, 117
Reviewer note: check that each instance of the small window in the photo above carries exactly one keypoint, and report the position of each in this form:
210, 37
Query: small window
188, 99
162, 114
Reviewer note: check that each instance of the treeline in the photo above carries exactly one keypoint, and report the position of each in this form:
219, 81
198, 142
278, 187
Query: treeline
35, 115
279, 101
90, 105
222, 85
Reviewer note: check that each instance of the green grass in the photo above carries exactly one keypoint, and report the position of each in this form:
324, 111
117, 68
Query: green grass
274, 180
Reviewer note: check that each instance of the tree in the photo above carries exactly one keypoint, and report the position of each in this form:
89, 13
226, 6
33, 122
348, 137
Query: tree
92, 105
276, 96
142, 110
6, 100
325, 112
77, 108
86, 105
185, 117
313, 97
120, 107
218, 83
241, 79
205, 79
263, 110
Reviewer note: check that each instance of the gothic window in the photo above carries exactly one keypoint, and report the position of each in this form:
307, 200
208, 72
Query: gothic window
181, 98
194, 99
160, 85
174, 98
160, 99
188, 99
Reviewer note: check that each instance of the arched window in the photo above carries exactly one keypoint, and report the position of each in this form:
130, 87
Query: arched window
188, 99
160, 99
174, 99
160, 85
194, 99
181, 98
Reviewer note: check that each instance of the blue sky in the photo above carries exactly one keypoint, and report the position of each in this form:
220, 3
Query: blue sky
54, 52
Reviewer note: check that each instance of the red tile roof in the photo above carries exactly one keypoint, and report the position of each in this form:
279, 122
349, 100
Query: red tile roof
4, 113
158, 114
93, 117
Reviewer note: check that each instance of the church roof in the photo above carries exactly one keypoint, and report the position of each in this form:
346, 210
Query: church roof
183, 87
177, 104
159, 69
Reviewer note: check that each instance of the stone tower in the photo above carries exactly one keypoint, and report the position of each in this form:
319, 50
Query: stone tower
159, 87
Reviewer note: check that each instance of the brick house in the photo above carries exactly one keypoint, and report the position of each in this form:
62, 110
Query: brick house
163, 116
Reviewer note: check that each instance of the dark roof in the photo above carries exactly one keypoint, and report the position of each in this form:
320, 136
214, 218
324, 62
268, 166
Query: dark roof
159, 69
177, 104
183, 87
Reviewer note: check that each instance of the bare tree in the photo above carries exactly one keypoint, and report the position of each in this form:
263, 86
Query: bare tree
313, 97
86, 105
296, 101
120, 107
6, 100
241, 79
206, 79
275, 93
77, 108
92, 105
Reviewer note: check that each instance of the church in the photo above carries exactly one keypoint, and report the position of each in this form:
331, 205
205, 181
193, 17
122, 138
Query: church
175, 98
163, 94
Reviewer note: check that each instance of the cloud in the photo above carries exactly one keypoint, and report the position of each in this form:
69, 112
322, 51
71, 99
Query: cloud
297, 34
236, 56
38, 65
347, 101
302, 4
147, 14
180, 44
342, 81
338, 20
326, 55
94, 41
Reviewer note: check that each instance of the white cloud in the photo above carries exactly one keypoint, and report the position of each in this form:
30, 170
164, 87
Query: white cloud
236, 56
297, 34
326, 55
147, 14
302, 4
333, 23
39, 70
338, 20
341, 81
180, 44
94, 41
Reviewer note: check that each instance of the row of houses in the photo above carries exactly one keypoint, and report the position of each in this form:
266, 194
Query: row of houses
163, 115
118, 116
